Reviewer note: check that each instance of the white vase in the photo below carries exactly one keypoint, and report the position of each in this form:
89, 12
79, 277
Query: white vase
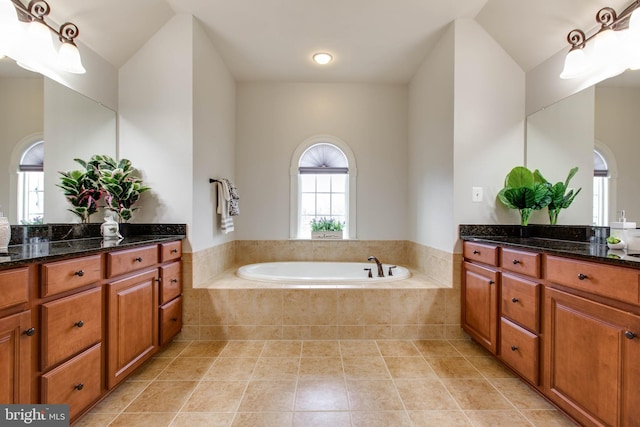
5, 234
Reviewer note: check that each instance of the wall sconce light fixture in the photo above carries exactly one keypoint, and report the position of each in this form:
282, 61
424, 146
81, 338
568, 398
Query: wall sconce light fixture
615, 47
26, 37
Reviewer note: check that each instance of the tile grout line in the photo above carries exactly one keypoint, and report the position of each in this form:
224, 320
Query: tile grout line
393, 381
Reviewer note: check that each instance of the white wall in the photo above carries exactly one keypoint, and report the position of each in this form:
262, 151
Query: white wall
488, 125
430, 160
559, 138
617, 127
156, 122
274, 118
21, 115
214, 106
74, 127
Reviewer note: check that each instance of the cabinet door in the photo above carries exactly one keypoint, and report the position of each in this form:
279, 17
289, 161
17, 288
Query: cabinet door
132, 323
480, 304
15, 358
591, 356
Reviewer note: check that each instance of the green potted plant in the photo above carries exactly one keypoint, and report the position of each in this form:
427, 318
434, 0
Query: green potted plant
122, 189
523, 192
560, 198
82, 190
326, 228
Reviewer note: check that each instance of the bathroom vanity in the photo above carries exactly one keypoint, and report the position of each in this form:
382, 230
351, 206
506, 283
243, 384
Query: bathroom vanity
563, 315
76, 317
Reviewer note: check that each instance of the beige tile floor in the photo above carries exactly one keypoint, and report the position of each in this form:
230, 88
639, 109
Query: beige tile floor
323, 383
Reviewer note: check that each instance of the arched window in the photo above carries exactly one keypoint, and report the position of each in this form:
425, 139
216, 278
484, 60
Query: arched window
31, 185
323, 177
600, 189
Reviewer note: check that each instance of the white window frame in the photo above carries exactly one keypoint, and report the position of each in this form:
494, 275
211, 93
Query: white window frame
14, 175
295, 196
611, 181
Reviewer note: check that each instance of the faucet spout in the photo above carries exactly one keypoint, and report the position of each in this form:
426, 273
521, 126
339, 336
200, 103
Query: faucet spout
379, 264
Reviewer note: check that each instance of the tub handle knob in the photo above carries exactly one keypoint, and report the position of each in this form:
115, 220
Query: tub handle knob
390, 272
370, 273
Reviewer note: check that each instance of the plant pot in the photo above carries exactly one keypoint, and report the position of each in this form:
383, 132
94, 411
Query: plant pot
525, 232
327, 235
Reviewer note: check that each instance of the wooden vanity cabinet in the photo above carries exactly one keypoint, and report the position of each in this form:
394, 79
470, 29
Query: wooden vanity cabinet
17, 336
132, 310
170, 309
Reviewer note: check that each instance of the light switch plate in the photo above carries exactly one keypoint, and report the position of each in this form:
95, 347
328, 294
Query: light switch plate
476, 195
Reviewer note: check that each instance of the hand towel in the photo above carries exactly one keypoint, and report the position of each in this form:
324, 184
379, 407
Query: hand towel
226, 222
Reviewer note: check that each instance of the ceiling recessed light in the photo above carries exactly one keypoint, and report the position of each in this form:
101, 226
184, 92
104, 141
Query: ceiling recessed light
322, 58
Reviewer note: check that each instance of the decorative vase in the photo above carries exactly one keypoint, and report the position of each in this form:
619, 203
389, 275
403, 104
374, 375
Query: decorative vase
5, 234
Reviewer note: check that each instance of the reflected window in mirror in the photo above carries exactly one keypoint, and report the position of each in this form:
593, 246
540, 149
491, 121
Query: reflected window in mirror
31, 185
600, 189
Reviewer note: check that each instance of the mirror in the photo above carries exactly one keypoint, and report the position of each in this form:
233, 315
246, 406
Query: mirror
605, 117
35, 108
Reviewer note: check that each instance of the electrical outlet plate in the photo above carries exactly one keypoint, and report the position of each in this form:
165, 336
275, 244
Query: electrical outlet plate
476, 195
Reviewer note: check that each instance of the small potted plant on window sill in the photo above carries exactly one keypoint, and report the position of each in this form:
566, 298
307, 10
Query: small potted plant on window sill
326, 228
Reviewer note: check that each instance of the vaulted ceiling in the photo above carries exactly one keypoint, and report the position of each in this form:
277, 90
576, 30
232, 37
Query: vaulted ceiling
371, 40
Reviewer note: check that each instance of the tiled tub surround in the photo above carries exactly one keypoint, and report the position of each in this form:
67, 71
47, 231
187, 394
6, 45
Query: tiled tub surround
218, 305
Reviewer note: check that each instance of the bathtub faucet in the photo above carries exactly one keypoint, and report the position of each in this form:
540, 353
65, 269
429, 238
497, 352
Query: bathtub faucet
380, 270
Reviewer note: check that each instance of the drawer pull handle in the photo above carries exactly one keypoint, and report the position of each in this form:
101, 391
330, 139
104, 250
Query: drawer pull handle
79, 324
514, 300
174, 280
476, 252
491, 282
582, 276
159, 279
79, 273
514, 348
174, 251
79, 386
30, 332
630, 335
139, 259
174, 319
516, 261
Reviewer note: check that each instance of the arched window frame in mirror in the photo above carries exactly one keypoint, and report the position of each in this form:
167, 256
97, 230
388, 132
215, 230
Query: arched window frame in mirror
12, 211
605, 202
295, 195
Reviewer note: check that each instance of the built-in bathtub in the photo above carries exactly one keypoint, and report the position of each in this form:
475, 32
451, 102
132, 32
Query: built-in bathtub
307, 272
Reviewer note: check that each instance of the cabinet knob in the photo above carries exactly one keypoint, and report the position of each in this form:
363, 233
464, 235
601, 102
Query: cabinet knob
159, 279
79, 273
514, 300
79, 324
491, 282
476, 252
30, 332
139, 259
174, 280
514, 348
174, 251
174, 319
582, 276
79, 386
630, 335
516, 261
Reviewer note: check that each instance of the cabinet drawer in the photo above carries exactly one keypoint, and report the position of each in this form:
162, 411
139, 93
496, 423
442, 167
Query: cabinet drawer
519, 349
479, 252
523, 262
170, 320
170, 251
521, 301
171, 282
76, 383
70, 325
70, 274
14, 287
122, 262
609, 281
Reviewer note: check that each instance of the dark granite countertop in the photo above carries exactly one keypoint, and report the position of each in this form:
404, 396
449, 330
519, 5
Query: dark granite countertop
577, 242
42, 243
